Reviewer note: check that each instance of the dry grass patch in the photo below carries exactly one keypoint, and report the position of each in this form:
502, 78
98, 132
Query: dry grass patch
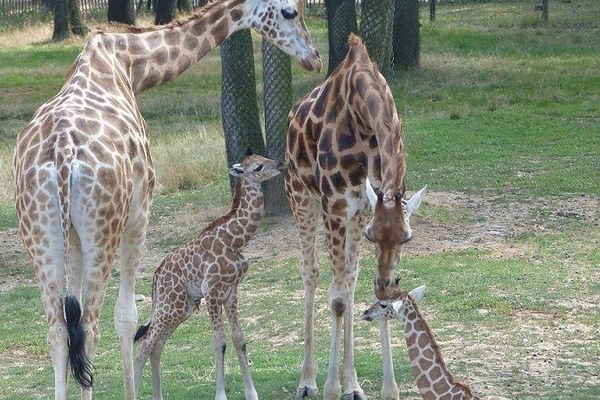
189, 160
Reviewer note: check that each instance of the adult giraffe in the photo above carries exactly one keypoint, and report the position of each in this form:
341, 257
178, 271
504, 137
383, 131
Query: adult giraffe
84, 175
343, 134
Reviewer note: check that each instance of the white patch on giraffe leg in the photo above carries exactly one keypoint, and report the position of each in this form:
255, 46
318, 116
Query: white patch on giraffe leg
389, 388
332, 389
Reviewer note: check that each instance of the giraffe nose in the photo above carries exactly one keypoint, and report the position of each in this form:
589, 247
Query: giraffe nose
367, 316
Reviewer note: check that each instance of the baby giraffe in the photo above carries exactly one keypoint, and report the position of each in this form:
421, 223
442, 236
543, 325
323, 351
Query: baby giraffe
434, 379
210, 267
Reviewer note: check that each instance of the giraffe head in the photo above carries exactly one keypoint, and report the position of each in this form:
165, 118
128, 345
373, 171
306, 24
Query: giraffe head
389, 229
257, 168
282, 23
395, 306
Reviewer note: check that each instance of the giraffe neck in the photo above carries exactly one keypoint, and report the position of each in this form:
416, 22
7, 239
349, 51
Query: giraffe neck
428, 366
243, 219
153, 56
374, 108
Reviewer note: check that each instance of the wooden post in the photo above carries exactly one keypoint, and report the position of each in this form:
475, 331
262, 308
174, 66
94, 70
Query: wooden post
432, 10
545, 11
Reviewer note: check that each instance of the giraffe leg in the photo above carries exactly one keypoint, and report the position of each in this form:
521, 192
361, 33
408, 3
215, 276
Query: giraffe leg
153, 341
155, 355
219, 345
97, 263
239, 341
57, 339
126, 314
332, 389
307, 218
338, 299
147, 344
42, 235
389, 389
352, 389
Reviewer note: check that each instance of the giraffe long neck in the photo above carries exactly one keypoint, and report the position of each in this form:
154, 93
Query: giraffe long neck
156, 56
431, 374
373, 106
243, 219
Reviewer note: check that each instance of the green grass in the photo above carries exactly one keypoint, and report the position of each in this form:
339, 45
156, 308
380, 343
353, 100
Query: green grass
500, 106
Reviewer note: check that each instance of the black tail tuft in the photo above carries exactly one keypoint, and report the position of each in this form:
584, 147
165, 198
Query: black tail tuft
81, 367
141, 332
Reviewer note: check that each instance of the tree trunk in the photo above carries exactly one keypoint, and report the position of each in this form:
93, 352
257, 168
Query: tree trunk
76, 20
406, 43
184, 6
545, 11
239, 107
165, 11
61, 20
277, 83
376, 28
122, 11
341, 21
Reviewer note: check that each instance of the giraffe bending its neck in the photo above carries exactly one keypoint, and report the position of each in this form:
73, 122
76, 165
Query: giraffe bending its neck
343, 134
145, 57
434, 379
84, 175
210, 267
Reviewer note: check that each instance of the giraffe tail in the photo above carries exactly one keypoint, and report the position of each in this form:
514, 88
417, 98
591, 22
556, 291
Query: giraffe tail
81, 367
142, 330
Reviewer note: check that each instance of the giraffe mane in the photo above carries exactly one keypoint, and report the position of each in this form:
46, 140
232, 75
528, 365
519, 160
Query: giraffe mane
116, 27
438, 352
235, 204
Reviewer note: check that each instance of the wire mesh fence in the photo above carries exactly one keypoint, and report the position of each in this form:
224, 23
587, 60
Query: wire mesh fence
16, 7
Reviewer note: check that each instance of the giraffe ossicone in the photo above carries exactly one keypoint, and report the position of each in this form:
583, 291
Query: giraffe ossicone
210, 267
433, 378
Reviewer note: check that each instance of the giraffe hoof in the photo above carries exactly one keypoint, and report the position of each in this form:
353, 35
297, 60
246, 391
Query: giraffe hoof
305, 392
356, 395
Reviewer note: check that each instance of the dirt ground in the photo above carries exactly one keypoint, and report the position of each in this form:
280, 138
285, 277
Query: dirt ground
452, 221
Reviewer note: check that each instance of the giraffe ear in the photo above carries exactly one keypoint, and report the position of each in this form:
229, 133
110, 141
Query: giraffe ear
418, 293
370, 194
397, 305
236, 170
415, 201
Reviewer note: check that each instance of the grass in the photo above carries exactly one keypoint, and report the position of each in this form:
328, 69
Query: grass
500, 106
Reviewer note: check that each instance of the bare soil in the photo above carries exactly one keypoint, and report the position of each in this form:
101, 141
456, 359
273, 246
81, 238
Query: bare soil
484, 222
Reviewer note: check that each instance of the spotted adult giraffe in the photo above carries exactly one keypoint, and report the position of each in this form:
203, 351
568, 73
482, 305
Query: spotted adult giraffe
84, 175
210, 268
343, 134
434, 379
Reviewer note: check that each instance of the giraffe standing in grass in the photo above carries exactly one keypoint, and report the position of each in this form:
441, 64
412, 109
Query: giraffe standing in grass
84, 175
210, 268
343, 135
434, 379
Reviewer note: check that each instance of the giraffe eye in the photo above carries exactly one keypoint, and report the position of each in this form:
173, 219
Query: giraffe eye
384, 305
289, 15
258, 168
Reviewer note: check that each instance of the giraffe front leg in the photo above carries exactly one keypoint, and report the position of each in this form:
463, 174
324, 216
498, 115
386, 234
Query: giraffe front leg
219, 345
352, 389
389, 389
239, 341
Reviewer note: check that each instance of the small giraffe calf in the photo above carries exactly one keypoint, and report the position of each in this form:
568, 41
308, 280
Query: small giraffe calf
434, 379
210, 267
